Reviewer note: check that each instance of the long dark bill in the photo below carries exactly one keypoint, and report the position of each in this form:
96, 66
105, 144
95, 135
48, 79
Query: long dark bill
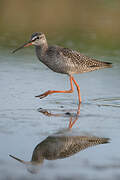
20, 160
29, 43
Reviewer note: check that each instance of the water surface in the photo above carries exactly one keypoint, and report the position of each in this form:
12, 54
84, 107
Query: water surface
25, 121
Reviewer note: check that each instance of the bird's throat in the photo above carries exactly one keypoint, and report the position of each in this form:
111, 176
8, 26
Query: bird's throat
40, 51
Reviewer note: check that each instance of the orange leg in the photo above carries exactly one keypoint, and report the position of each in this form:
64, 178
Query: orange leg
51, 92
78, 89
72, 122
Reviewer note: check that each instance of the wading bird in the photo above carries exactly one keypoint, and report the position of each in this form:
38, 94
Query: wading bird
63, 60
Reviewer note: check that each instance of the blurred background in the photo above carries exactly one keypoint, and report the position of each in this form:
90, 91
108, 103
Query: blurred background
89, 26
83, 22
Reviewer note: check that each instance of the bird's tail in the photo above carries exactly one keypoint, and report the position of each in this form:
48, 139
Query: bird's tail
107, 64
98, 140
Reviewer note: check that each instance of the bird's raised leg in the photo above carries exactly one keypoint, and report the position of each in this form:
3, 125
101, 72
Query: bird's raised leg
78, 89
53, 91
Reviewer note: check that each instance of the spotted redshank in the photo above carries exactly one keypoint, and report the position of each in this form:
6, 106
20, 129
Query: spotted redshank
63, 60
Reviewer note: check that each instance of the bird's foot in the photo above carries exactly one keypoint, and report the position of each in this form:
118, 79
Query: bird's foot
44, 94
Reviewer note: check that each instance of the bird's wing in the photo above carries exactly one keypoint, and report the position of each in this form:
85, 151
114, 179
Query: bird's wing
76, 144
79, 59
72, 145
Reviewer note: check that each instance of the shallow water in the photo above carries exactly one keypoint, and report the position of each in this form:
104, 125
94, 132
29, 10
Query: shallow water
25, 121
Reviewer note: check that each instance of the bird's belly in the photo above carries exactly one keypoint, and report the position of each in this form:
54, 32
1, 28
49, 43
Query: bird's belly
65, 66
57, 66
59, 69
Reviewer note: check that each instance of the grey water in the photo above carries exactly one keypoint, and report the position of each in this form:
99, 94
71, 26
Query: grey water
25, 121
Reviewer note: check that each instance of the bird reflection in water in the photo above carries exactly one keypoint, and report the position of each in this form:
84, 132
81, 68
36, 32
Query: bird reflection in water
73, 117
62, 144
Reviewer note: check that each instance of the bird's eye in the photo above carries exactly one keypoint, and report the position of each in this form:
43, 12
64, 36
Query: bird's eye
37, 38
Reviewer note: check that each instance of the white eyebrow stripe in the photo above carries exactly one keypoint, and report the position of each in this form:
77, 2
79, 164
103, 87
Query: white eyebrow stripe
34, 38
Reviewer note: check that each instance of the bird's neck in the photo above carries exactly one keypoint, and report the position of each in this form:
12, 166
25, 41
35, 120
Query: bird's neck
40, 50
37, 160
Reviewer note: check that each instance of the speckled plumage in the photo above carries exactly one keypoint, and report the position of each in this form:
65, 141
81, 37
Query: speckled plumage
58, 147
67, 61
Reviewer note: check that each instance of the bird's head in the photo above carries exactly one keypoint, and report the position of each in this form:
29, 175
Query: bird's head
37, 39
32, 166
